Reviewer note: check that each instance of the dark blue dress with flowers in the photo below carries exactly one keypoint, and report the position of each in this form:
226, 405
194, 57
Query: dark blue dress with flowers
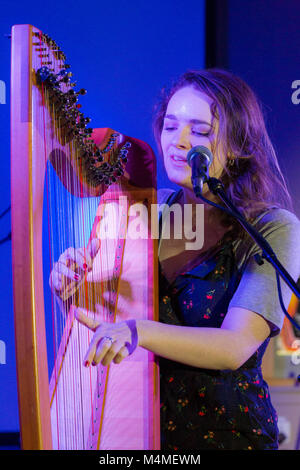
211, 409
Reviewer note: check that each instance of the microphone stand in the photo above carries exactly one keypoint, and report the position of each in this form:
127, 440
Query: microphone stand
217, 188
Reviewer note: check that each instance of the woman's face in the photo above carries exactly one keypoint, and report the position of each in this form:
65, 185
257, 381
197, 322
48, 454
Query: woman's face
188, 122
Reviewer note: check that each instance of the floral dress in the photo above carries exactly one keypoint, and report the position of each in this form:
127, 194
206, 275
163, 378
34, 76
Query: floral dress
211, 409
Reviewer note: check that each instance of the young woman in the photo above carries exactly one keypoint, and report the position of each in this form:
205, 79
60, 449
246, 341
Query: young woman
218, 307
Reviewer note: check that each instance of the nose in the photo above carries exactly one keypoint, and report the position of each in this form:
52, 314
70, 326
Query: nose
182, 138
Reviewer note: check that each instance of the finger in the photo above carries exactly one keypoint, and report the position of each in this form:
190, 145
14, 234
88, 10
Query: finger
97, 350
83, 259
107, 352
55, 281
86, 319
73, 258
111, 353
93, 247
91, 352
69, 273
68, 255
58, 275
79, 258
122, 354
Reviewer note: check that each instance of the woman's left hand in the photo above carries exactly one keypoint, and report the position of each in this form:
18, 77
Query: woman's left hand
109, 341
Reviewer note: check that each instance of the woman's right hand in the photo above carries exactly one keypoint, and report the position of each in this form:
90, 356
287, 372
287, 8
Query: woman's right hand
72, 266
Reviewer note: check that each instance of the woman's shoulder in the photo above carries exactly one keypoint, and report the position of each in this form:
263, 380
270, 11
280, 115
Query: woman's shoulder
278, 222
280, 228
277, 217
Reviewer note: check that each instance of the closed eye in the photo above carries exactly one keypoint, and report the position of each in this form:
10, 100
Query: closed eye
198, 133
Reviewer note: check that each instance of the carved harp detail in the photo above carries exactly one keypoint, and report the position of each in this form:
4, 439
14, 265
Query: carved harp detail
69, 186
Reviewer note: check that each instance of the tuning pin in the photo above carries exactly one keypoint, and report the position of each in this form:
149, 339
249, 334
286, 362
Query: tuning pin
43, 73
70, 100
70, 93
60, 54
110, 170
64, 76
104, 166
98, 178
62, 72
81, 92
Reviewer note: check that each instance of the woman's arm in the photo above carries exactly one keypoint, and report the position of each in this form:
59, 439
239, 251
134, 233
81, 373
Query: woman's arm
228, 347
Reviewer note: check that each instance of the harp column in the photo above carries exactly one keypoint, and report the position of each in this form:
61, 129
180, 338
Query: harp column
27, 182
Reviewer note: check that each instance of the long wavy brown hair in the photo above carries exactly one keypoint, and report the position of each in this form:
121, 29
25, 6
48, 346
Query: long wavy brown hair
252, 177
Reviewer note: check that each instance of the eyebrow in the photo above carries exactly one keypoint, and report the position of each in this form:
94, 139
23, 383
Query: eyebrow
192, 121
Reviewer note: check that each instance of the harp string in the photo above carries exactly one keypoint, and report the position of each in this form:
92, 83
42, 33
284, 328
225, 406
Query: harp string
69, 219
78, 231
49, 143
87, 303
42, 119
61, 316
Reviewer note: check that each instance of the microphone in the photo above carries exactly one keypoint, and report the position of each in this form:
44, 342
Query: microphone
199, 159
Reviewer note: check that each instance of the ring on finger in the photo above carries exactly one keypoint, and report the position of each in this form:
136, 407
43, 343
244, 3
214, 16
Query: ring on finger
97, 357
109, 338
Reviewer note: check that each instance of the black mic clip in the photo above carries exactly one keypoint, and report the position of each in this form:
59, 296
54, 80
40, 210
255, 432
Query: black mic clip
199, 159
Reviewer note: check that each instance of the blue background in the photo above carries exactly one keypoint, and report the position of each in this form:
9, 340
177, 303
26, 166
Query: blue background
264, 49
123, 53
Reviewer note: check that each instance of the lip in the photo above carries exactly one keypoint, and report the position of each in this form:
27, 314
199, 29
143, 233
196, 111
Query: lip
181, 162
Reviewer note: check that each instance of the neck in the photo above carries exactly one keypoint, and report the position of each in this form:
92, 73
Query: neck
211, 216
189, 197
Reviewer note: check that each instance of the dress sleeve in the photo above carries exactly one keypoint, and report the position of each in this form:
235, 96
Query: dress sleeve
257, 290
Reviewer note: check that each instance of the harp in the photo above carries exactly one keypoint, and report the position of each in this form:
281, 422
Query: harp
69, 185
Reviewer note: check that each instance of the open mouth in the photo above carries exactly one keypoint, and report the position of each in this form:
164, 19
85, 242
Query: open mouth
178, 160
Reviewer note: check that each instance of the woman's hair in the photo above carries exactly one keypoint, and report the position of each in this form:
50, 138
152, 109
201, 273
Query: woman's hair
252, 177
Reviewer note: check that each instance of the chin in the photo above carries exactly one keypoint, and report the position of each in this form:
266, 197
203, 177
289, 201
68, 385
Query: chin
182, 182
181, 176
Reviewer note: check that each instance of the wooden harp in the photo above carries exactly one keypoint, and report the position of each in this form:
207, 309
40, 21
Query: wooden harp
64, 178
